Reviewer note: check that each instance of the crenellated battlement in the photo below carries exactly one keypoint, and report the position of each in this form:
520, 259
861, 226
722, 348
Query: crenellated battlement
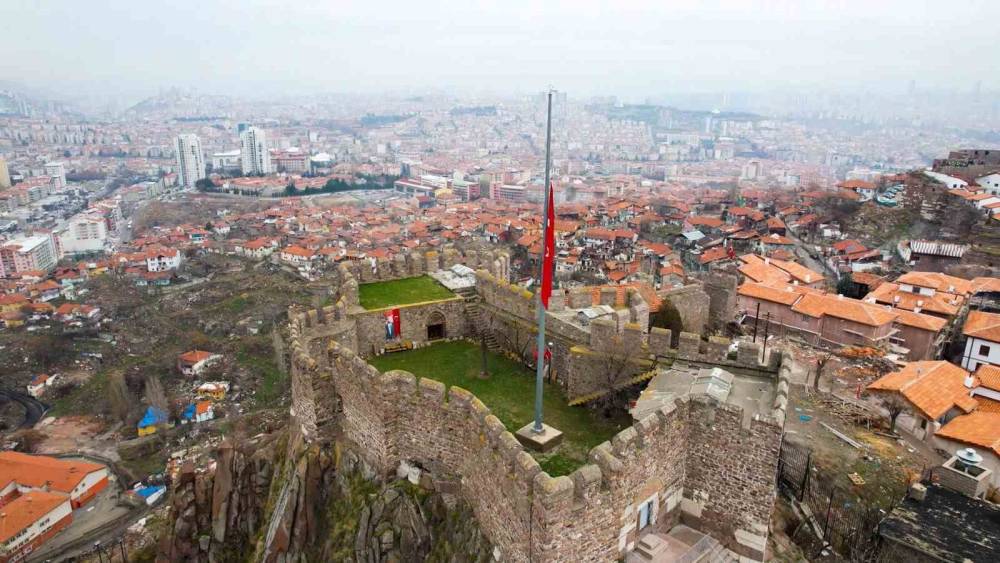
678, 459
420, 262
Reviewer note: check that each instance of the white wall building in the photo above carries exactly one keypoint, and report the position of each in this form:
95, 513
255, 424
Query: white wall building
950, 181
190, 159
228, 161
58, 173
254, 155
982, 345
163, 260
84, 233
990, 183
4, 174
38, 512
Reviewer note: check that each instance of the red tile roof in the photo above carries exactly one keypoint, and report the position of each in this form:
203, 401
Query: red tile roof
932, 387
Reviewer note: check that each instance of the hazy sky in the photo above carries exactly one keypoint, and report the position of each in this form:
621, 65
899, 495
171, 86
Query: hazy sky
623, 47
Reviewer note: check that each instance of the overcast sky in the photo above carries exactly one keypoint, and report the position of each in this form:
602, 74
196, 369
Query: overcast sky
628, 48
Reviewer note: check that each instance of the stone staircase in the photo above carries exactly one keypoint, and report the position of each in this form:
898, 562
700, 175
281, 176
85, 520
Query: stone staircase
680, 545
476, 317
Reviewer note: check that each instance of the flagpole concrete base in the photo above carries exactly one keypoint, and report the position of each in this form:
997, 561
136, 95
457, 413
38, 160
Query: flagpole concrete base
542, 441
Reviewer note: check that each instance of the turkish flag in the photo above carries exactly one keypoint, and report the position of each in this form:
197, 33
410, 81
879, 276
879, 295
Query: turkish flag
548, 257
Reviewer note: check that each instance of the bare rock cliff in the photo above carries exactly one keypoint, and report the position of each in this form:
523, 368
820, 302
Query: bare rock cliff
266, 501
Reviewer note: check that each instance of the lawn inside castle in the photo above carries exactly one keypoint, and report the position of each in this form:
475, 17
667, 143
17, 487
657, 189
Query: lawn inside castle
406, 291
509, 392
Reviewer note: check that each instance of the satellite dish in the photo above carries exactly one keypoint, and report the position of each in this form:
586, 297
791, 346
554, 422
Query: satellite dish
969, 456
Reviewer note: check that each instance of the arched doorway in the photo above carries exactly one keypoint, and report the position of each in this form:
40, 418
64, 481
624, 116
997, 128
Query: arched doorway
436, 326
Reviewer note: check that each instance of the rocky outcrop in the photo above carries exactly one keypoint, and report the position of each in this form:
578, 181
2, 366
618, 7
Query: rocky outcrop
322, 504
214, 514
404, 523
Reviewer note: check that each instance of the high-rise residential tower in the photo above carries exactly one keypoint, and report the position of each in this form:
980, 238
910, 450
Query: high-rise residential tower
254, 156
4, 175
190, 159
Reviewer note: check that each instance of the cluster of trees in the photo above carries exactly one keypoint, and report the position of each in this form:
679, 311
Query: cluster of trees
336, 185
333, 185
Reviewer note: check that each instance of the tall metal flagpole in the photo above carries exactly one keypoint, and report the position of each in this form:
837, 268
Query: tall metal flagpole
540, 346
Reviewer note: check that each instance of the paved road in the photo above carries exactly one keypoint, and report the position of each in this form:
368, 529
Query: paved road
33, 408
802, 252
102, 519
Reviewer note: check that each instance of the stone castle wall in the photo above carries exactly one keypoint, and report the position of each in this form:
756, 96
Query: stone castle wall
613, 355
369, 336
509, 311
693, 304
692, 459
420, 262
731, 496
721, 290
413, 324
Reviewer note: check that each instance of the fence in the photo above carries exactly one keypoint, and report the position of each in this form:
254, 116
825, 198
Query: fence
793, 469
839, 518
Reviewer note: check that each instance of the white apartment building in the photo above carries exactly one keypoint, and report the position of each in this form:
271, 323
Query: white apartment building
84, 233
228, 161
190, 159
57, 172
4, 174
254, 156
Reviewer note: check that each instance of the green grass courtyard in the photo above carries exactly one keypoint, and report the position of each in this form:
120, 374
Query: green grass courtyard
509, 392
379, 295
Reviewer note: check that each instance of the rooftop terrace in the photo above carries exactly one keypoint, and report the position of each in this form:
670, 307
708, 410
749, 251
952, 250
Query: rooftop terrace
755, 395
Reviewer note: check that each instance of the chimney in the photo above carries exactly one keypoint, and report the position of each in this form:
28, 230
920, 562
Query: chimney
809, 278
918, 492
840, 297
767, 260
970, 381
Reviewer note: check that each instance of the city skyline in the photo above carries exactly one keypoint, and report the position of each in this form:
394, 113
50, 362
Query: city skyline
635, 51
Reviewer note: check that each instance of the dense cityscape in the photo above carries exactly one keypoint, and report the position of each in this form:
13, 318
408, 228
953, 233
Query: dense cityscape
433, 324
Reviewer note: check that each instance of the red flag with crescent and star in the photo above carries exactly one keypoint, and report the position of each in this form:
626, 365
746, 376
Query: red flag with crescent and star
550, 249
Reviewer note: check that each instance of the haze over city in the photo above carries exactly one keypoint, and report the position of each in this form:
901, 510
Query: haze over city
632, 49
371, 282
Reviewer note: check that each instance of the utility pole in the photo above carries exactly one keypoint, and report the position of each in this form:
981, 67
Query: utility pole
767, 326
540, 344
756, 317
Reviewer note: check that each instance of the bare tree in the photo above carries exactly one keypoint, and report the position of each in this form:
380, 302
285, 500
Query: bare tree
119, 397
29, 440
155, 394
821, 360
512, 335
484, 369
895, 404
616, 364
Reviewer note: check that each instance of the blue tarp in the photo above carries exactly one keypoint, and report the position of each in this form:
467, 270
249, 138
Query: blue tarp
152, 417
146, 492
189, 412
